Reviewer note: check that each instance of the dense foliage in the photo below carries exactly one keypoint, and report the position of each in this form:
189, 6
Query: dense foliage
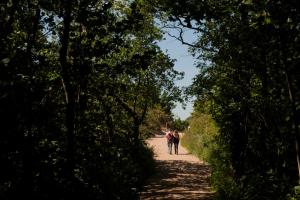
179, 124
155, 120
248, 60
76, 81
200, 135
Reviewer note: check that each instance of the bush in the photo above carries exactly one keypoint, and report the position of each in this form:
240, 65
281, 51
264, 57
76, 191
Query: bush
201, 139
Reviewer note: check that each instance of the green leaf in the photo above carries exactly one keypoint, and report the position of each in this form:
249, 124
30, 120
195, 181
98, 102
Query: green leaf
268, 20
5, 61
247, 2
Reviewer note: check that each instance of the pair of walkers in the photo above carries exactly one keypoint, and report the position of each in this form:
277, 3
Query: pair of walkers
172, 138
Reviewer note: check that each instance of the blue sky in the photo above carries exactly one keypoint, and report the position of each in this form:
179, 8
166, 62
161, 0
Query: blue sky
184, 62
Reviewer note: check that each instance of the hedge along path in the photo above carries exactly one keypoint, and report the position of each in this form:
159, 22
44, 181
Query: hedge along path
180, 176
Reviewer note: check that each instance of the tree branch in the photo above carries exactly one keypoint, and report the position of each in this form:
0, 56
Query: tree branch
181, 39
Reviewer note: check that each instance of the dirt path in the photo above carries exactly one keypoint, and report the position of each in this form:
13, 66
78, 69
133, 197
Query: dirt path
180, 176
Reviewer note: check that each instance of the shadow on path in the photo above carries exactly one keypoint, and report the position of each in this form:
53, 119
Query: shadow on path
177, 179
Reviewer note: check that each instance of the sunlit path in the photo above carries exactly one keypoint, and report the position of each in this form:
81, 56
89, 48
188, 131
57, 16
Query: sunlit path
180, 176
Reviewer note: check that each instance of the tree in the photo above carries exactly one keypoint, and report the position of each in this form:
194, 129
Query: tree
156, 119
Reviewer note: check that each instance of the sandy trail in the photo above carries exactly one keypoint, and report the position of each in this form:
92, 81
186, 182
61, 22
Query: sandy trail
180, 176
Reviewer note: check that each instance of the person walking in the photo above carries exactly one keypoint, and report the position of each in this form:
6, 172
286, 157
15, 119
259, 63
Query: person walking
170, 138
176, 139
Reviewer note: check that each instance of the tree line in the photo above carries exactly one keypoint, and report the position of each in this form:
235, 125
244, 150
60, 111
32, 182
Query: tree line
77, 81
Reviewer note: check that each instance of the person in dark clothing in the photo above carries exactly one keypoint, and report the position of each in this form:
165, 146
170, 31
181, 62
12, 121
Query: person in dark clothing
176, 139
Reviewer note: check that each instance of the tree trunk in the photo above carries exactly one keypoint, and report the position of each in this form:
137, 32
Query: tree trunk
295, 120
69, 92
292, 99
